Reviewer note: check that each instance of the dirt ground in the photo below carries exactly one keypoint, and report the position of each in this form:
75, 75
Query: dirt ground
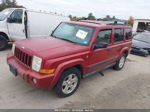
125, 89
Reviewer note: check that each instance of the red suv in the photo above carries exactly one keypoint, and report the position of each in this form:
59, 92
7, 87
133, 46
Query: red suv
74, 50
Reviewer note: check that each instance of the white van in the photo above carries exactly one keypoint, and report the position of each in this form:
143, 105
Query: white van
20, 23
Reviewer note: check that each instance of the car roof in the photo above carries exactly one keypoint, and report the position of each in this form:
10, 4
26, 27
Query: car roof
94, 23
144, 33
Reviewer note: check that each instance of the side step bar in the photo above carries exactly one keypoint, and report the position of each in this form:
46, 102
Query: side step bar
99, 70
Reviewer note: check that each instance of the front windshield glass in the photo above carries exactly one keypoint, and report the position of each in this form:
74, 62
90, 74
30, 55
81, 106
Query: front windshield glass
4, 14
143, 37
74, 33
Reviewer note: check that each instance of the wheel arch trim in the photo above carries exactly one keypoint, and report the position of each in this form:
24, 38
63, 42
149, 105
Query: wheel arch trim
63, 66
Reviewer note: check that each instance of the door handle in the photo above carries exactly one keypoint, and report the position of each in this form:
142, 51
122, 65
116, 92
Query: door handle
23, 30
109, 49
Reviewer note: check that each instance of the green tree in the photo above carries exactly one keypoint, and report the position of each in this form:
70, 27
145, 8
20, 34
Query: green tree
114, 17
108, 18
91, 17
9, 4
70, 16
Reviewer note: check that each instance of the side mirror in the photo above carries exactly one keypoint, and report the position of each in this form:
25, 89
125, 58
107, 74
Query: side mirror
100, 45
9, 20
52, 33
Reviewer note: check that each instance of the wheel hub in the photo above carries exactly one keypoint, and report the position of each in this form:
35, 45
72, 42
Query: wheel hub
69, 83
121, 62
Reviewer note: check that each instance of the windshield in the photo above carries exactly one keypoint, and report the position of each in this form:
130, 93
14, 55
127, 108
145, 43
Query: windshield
4, 14
74, 33
143, 37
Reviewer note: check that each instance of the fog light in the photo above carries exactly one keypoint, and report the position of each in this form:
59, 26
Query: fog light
34, 80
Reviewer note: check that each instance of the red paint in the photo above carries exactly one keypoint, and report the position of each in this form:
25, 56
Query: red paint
61, 55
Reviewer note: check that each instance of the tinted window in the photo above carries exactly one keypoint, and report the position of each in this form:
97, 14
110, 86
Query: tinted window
104, 36
16, 16
128, 34
74, 33
118, 35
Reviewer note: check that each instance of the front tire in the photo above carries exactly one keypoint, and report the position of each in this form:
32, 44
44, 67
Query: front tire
120, 63
3, 43
68, 82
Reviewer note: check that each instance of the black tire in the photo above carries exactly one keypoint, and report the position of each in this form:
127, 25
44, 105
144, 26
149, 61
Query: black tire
117, 65
3, 43
145, 54
59, 87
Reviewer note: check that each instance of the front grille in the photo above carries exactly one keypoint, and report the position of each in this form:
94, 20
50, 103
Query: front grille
23, 57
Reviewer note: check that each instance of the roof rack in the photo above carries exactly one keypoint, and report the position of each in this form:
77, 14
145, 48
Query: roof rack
116, 23
106, 22
94, 22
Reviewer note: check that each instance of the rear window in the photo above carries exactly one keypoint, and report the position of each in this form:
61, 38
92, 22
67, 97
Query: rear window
128, 34
118, 35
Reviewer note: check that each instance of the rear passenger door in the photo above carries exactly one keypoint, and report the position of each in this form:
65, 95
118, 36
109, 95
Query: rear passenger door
118, 42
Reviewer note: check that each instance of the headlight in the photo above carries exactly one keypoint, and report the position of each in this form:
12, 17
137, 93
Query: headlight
36, 63
13, 49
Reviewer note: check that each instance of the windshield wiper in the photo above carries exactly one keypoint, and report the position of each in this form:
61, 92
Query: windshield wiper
67, 40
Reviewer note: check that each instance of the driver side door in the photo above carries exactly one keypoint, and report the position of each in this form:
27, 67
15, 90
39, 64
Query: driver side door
101, 57
16, 25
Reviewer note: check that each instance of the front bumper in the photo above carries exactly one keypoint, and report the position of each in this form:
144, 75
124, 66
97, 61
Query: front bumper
139, 51
42, 81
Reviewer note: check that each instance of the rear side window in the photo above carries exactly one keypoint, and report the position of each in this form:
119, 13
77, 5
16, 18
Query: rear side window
118, 35
105, 36
128, 34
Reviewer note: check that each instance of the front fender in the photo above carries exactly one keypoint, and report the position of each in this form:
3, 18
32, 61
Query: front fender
61, 67
123, 50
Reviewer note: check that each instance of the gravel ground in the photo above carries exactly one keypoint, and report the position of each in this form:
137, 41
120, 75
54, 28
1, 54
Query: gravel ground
125, 89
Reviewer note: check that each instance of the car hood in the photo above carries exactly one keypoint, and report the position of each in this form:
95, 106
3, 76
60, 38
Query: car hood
49, 47
140, 44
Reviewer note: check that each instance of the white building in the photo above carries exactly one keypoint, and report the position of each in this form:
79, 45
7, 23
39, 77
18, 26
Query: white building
141, 25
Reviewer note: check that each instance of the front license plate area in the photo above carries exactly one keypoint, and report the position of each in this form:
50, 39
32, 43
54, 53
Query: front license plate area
13, 70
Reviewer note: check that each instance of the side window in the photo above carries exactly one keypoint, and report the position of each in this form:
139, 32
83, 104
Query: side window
128, 34
105, 36
16, 16
118, 35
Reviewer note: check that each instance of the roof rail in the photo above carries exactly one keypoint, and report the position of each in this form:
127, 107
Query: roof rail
94, 22
106, 22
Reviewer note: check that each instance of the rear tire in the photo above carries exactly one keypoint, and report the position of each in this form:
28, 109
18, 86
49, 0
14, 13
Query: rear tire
120, 63
3, 43
68, 82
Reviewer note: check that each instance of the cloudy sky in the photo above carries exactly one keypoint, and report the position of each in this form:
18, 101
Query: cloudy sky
100, 8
